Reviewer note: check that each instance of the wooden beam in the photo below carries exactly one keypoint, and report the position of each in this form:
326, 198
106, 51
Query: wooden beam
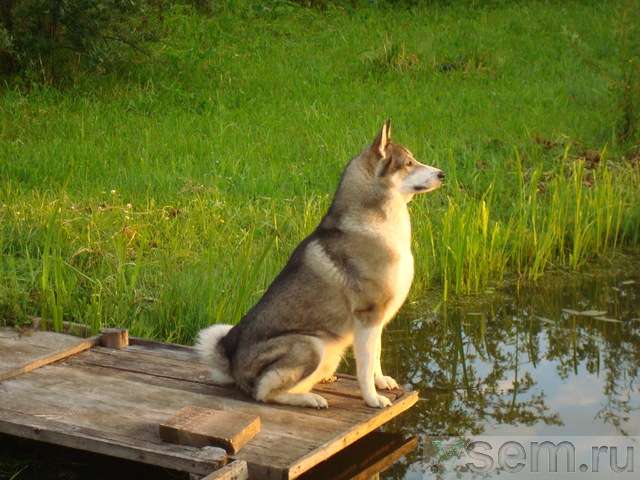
365, 458
348, 436
71, 328
199, 427
236, 470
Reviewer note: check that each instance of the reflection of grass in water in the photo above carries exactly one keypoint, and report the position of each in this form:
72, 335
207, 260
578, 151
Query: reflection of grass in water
223, 153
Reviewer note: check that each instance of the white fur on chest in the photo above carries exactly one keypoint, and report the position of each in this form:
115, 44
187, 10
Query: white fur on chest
400, 276
395, 233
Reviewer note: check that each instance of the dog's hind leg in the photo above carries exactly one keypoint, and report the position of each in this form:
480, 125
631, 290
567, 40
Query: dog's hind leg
308, 399
289, 379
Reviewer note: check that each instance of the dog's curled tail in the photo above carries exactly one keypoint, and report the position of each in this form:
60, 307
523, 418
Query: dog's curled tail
210, 350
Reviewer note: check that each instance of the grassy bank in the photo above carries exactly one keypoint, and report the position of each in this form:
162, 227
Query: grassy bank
166, 196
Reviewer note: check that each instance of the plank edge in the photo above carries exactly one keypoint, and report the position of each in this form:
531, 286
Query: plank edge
339, 442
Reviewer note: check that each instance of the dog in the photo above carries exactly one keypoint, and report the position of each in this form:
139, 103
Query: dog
340, 287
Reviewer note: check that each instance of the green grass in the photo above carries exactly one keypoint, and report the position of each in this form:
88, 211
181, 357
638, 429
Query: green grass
167, 196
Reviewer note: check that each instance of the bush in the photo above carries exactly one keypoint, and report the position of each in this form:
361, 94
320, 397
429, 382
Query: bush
50, 38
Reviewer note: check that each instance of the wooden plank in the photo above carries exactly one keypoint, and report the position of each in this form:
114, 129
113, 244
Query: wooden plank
117, 402
83, 401
23, 353
357, 418
359, 430
50, 341
199, 427
384, 463
71, 328
15, 354
196, 460
130, 391
236, 470
365, 458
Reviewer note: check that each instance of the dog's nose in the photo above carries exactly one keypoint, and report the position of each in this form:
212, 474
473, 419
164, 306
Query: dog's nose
441, 175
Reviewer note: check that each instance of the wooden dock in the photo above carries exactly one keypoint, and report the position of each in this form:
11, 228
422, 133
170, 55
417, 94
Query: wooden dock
74, 392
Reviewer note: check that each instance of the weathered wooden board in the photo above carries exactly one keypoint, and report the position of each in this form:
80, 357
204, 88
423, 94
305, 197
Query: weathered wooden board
311, 435
236, 470
23, 351
70, 328
45, 429
369, 456
199, 427
119, 397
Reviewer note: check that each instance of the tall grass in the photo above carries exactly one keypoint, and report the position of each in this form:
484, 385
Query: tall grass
168, 196
568, 224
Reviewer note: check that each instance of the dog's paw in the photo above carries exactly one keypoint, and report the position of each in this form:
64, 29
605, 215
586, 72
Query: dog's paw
384, 382
330, 379
314, 400
377, 401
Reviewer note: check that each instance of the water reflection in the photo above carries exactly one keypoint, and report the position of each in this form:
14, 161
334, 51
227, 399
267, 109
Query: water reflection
558, 358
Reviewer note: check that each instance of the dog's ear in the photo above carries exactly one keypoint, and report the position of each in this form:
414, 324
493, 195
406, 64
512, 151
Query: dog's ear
379, 146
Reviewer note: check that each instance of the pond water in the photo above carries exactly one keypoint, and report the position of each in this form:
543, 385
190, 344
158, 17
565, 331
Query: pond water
556, 360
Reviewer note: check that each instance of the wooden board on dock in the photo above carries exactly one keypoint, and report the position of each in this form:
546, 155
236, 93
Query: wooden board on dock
236, 470
199, 427
111, 401
24, 350
364, 459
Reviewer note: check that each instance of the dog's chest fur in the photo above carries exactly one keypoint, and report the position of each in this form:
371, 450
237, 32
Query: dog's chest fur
397, 235
384, 260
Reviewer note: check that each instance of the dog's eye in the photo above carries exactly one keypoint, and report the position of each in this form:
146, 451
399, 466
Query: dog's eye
410, 163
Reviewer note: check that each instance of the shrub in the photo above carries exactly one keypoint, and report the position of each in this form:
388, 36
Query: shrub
48, 38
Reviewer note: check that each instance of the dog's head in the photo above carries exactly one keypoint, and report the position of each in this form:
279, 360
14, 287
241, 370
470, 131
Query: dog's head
394, 167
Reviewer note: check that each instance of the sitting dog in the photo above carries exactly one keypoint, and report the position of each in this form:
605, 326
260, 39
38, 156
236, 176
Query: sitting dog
340, 287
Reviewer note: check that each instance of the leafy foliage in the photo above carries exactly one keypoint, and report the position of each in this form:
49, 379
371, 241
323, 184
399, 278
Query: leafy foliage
48, 38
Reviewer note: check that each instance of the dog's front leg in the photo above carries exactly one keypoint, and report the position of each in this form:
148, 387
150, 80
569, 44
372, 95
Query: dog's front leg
382, 381
365, 343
